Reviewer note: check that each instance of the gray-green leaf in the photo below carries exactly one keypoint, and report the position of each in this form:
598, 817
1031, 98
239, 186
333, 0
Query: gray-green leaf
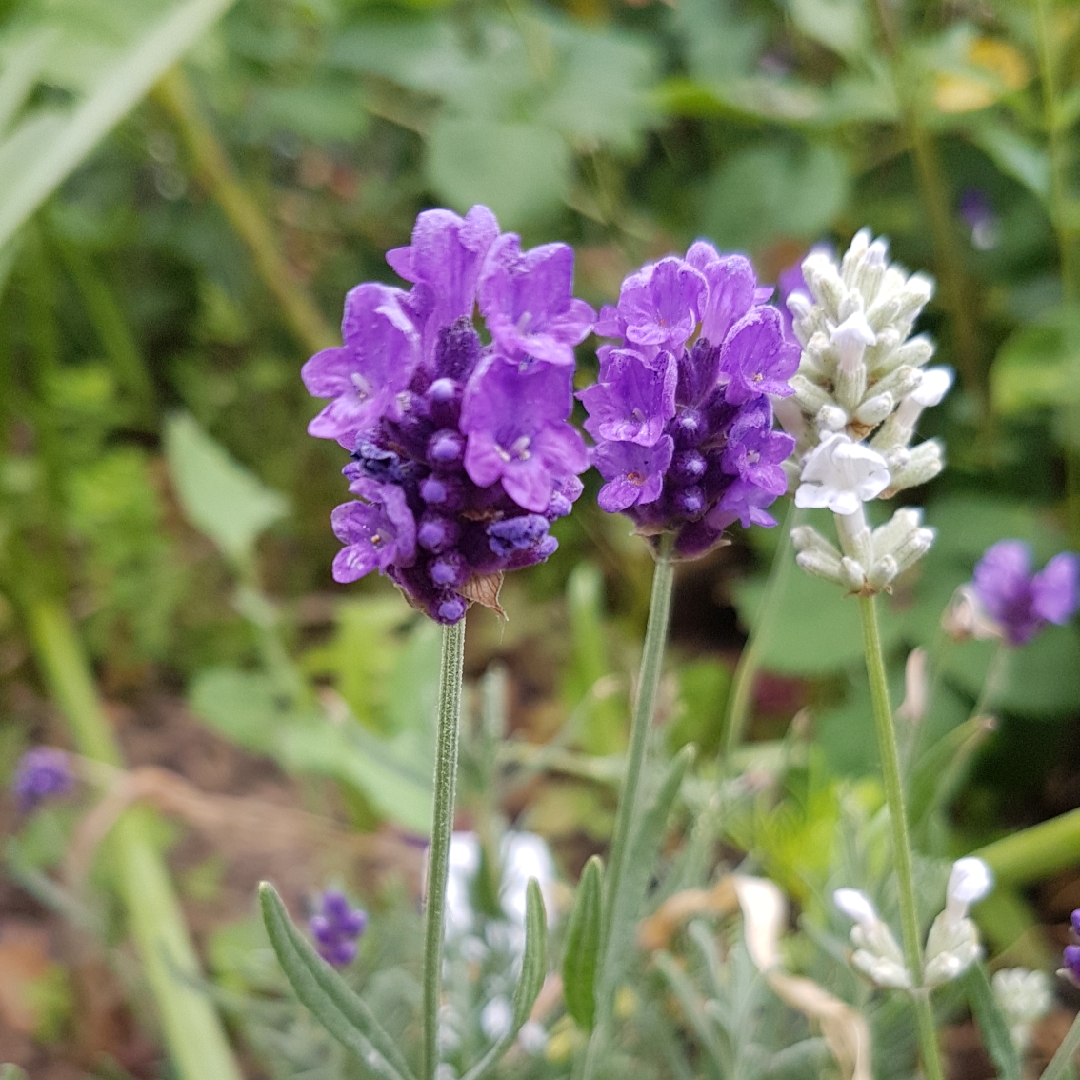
583, 946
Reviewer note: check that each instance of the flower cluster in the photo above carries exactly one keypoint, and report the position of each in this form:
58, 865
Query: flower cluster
42, 773
952, 945
336, 927
1021, 603
1024, 997
861, 385
681, 414
462, 456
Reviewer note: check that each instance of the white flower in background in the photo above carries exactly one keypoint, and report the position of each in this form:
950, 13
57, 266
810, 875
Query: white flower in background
876, 955
533, 1037
953, 943
1024, 998
841, 475
496, 1018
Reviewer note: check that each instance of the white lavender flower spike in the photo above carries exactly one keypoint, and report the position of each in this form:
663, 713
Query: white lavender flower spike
876, 955
953, 943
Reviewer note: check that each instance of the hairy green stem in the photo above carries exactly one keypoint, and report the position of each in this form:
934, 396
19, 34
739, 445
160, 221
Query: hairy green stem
196, 1040
901, 841
652, 663
746, 670
1062, 1064
451, 674
214, 169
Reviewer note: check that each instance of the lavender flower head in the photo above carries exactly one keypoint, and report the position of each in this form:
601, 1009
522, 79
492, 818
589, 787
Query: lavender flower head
462, 454
681, 414
1071, 957
336, 927
1020, 602
43, 773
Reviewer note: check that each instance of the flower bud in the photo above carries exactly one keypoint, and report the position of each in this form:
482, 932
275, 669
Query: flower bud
874, 410
927, 460
882, 573
852, 574
822, 564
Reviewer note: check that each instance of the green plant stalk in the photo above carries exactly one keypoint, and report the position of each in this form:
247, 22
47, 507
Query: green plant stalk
451, 674
1061, 1064
196, 1039
746, 670
652, 663
1036, 853
212, 165
901, 841
1063, 219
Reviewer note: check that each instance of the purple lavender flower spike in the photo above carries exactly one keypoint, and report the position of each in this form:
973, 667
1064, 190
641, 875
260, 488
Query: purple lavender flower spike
526, 298
513, 421
696, 460
1020, 602
462, 455
633, 399
336, 926
42, 773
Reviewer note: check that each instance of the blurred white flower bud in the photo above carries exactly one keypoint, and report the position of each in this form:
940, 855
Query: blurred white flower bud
952, 945
1024, 998
876, 955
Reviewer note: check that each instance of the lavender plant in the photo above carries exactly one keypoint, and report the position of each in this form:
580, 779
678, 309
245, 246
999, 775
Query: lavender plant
461, 457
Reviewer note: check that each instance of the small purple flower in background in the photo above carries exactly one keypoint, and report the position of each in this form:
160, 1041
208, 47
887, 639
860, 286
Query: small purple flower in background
1071, 956
1020, 602
681, 413
977, 211
43, 773
462, 453
336, 926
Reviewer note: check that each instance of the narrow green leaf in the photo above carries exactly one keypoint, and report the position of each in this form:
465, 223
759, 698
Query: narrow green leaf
124, 84
533, 973
640, 864
318, 986
583, 946
222, 499
939, 771
992, 1023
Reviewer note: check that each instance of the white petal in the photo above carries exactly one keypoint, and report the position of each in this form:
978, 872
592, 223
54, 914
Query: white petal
856, 905
933, 388
969, 881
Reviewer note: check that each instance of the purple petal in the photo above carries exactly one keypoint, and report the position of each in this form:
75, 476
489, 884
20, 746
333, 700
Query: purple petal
1002, 577
1054, 588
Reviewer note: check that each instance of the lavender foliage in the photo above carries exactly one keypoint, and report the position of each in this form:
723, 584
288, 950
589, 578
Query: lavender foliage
462, 454
683, 423
43, 773
1021, 602
336, 927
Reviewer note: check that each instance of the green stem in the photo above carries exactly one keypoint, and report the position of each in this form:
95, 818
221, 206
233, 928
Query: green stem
212, 164
652, 663
742, 681
196, 1039
451, 674
1062, 1064
901, 841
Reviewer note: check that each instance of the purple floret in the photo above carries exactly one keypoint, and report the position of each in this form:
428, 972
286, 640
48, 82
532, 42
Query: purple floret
336, 926
42, 773
681, 413
462, 455
1020, 602
1071, 955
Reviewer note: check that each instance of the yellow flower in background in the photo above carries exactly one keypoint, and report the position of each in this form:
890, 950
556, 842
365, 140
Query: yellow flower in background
994, 68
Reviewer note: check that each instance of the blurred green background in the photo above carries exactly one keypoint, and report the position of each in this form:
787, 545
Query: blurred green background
187, 190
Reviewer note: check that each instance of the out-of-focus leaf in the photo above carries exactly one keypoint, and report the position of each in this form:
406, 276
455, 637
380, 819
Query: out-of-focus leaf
1014, 154
720, 42
222, 498
840, 25
771, 191
521, 171
321, 113
394, 775
1039, 365
116, 77
992, 1023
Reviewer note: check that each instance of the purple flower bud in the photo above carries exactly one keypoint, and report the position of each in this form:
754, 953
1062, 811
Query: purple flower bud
335, 926
1020, 602
376, 463
446, 447
436, 532
458, 352
687, 467
689, 502
450, 570
517, 534
446, 493
43, 773
449, 611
